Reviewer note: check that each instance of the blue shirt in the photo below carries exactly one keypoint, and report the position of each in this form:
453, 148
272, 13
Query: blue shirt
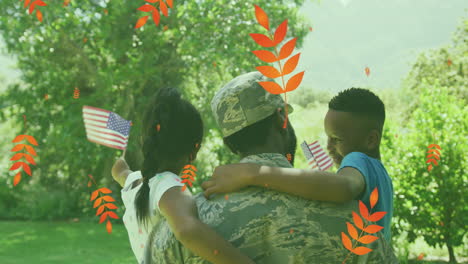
375, 175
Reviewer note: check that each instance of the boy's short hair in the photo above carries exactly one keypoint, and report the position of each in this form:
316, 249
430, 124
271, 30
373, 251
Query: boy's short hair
361, 102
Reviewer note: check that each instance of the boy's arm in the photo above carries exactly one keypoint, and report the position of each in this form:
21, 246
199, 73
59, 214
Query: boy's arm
181, 213
343, 186
120, 171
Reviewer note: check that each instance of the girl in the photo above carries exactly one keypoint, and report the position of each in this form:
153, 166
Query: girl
172, 134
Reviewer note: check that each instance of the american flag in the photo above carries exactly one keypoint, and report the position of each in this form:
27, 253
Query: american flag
105, 127
316, 156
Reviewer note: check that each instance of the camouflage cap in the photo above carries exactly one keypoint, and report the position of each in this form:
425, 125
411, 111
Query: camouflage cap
243, 102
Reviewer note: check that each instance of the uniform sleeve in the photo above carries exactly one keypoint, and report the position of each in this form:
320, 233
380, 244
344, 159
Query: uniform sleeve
360, 162
160, 183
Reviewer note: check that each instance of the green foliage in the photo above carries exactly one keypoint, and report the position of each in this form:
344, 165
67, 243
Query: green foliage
431, 204
118, 68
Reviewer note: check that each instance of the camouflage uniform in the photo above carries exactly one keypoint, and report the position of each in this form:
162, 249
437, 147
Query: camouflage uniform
268, 226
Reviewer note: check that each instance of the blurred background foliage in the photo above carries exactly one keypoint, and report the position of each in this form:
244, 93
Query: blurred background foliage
94, 47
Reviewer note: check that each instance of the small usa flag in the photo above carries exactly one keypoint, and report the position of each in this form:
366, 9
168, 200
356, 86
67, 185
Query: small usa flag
316, 157
105, 127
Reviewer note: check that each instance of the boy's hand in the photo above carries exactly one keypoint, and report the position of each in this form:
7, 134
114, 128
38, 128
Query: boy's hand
230, 178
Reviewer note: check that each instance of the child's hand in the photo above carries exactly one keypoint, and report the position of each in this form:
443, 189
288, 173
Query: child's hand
230, 178
119, 166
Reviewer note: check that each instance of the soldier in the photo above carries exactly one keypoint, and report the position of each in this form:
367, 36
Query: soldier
268, 226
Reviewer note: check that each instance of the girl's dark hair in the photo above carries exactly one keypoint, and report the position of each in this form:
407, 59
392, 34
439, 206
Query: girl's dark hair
180, 130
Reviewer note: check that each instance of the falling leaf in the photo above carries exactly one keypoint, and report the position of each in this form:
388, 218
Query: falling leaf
291, 231
287, 49
294, 82
142, 21
272, 87
226, 197
165, 28
17, 179
352, 231
441, 223
346, 242
46, 96
361, 250
84, 40
449, 62
90, 176
374, 197
421, 256
106, 12
89, 183
291, 64
280, 32
262, 40
262, 17
214, 63
265, 55
310, 29
367, 71
109, 227
269, 71
215, 252
376, 216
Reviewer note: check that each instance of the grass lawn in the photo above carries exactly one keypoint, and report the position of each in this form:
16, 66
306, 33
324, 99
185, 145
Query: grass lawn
63, 242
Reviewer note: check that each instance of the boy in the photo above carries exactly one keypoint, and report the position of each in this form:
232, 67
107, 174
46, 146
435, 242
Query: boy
354, 124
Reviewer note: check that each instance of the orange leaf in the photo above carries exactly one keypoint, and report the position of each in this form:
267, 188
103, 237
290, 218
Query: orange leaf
190, 166
430, 167
367, 239
17, 179
30, 150
39, 15
272, 87
363, 210
358, 221
156, 17
109, 227
18, 164
188, 176
184, 187
147, 8
262, 40
163, 8
280, 32
29, 158
26, 3
100, 209
361, 250
141, 22
376, 216
169, 3
18, 147
434, 145
105, 190
17, 156
103, 217
108, 198
40, 3
265, 55
94, 195
287, 49
111, 206
433, 161
31, 7
27, 169
113, 215
346, 242
89, 183
90, 176
374, 197
97, 202
18, 138
352, 231
152, 1
291, 64
294, 82
269, 71
189, 172
262, 17
373, 229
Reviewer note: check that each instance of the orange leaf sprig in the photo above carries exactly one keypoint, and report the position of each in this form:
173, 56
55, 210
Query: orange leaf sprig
189, 175
154, 11
32, 7
433, 156
24, 155
371, 229
269, 57
101, 209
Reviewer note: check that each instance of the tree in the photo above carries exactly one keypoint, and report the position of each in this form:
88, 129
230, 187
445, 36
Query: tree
92, 45
432, 204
